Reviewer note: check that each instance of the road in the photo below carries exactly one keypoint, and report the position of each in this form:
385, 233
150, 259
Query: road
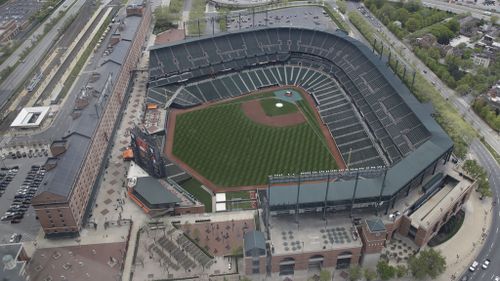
21, 72
492, 242
459, 102
478, 11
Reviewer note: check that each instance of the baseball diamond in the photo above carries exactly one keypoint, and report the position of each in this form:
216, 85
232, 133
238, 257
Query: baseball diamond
237, 143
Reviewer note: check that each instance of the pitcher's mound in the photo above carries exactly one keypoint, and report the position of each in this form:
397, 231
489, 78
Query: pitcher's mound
254, 111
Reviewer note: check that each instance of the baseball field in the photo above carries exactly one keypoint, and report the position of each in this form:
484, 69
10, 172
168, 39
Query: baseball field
241, 142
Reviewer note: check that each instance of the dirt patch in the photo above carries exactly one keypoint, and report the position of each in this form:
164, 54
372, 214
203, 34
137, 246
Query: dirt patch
254, 111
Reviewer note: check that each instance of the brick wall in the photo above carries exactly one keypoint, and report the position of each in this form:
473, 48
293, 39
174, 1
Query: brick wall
302, 259
372, 242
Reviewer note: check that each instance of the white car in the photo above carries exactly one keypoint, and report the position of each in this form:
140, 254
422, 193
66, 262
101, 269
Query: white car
473, 266
497, 278
485, 264
15, 238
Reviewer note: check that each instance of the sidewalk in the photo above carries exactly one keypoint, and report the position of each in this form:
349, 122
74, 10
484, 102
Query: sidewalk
461, 250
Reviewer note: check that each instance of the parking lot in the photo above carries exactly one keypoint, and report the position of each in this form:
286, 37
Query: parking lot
19, 10
306, 16
23, 215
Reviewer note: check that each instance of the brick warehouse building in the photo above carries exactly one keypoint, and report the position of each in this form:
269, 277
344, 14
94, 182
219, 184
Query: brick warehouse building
71, 179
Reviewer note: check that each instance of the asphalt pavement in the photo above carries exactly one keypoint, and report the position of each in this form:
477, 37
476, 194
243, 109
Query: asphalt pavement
490, 246
29, 226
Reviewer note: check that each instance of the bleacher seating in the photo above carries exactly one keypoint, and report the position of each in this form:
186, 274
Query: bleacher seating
350, 91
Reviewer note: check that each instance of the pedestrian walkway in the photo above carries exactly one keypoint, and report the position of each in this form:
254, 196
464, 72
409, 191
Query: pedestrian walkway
461, 250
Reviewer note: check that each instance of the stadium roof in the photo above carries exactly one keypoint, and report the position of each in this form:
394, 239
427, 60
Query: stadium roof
154, 192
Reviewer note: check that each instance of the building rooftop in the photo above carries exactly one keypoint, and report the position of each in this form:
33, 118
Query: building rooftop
311, 234
30, 117
375, 225
254, 240
154, 192
455, 186
154, 120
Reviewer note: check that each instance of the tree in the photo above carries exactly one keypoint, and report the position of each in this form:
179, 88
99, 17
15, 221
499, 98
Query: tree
341, 4
484, 188
453, 25
412, 24
413, 5
355, 272
474, 169
494, 19
385, 271
325, 275
370, 274
401, 271
428, 263
163, 19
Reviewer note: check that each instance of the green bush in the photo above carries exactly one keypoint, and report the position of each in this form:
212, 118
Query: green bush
488, 113
164, 19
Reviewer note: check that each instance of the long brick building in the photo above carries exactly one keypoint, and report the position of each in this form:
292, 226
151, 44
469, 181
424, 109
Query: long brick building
71, 177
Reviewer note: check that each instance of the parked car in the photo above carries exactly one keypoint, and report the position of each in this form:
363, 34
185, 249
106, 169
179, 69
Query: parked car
486, 263
15, 238
473, 267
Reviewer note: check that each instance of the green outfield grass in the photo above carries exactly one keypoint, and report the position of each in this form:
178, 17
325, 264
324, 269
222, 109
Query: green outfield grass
269, 107
229, 149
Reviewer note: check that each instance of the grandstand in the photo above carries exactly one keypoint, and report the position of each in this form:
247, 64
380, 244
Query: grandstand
372, 116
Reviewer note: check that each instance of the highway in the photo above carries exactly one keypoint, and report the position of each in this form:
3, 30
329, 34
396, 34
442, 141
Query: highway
21, 72
478, 11
492, 242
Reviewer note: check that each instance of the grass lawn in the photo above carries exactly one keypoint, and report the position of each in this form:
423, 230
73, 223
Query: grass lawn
229, 149
237, 195
194, 187
269, 107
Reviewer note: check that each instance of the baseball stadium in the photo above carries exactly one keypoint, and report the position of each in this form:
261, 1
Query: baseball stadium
317, 123
257, 108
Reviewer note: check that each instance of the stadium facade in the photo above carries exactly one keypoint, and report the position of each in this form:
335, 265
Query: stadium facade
399, 178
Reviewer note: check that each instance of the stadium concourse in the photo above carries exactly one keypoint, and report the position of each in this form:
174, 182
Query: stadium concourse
399, 178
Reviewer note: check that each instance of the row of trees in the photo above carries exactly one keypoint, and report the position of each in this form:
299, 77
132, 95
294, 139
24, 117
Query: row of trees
412, 15
166, 17
428, 264
45, 10
479, 173
488, 113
